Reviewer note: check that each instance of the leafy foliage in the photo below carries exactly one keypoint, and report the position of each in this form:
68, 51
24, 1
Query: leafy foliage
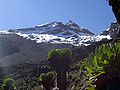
48, 80
60, 58
105, 60
59, 53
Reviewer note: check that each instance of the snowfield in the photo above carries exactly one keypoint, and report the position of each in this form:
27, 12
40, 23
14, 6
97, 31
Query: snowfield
81, 40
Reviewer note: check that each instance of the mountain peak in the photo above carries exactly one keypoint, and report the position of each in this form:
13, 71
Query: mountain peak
54, 28
56, 22
57, 32
72, 24
70, 21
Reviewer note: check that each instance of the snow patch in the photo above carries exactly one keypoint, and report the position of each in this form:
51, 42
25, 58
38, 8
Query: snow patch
54, 25
4, 32
81, 40
42, 24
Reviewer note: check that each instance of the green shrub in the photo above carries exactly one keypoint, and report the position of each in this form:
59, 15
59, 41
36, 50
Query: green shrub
105, 60
48, 80
60, 59
43, 77
9, 84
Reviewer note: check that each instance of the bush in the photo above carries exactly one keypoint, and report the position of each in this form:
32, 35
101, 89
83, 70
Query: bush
48, 80
9, 84
60, 59
105, 61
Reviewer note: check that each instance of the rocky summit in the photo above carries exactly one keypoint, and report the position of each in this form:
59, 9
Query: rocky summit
57, 32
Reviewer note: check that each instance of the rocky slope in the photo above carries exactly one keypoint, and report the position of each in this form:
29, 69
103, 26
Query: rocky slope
16, 50
112, 30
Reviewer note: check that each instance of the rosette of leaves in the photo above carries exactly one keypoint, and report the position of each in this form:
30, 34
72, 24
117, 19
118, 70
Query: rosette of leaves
60, 59
105, 61
8, 84
48, 80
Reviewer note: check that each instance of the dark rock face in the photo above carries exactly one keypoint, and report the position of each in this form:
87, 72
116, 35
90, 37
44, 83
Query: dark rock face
105, 33
87, 31
112, 31
72, 24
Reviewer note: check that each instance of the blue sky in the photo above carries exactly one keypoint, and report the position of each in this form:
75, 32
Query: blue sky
95, 15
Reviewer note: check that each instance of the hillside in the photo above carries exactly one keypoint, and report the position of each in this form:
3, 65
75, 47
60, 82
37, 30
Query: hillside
22, 50
31, 58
